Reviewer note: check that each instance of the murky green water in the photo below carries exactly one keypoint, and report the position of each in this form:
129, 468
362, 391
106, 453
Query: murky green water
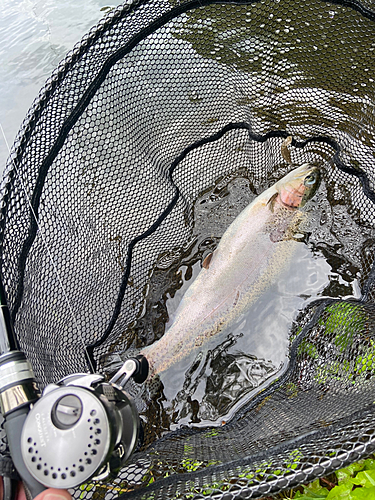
35, 35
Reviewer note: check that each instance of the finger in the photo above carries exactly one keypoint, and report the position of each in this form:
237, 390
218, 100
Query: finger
20, 495
52, 494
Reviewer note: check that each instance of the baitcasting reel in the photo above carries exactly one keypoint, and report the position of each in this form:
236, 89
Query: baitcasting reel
80, 429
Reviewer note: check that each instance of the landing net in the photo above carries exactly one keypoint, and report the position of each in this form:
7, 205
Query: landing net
161, 103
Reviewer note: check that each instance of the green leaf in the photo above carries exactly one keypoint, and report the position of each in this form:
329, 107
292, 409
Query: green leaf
365, 478
363, 494
341, 492
312, 491
348, 472
308, 496
369, 463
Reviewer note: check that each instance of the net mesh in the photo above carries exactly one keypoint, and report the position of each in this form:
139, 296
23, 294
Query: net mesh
160, 104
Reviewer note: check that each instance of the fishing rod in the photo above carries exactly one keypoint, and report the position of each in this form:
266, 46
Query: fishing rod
81, 428
78, 429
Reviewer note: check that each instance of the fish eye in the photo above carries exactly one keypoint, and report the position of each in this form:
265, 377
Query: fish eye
310, 179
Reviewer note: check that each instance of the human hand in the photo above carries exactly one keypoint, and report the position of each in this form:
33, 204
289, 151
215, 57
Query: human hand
48, 494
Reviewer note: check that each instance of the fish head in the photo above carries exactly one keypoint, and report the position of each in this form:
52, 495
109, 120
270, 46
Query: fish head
298, 186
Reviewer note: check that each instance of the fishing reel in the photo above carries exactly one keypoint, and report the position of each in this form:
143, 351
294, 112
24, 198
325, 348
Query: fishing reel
81, 428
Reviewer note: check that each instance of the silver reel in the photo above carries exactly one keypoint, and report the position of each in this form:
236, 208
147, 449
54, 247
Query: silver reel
81, 429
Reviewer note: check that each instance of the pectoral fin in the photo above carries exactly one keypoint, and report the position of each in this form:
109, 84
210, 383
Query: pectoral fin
207, 260
271, 201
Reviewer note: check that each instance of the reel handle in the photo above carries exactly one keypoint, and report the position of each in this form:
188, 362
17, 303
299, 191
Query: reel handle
136, 367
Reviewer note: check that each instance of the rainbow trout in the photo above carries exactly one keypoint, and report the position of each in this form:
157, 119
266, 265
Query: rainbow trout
251, 254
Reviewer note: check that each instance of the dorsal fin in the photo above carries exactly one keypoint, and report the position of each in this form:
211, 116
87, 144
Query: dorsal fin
284, 149
207, 260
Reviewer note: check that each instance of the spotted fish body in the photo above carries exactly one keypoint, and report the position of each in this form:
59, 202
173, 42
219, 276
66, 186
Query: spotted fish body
250, 256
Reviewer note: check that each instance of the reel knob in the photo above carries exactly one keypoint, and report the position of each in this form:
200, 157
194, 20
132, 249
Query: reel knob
67, 411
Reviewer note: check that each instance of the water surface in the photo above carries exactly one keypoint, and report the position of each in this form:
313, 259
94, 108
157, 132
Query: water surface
35, 35
209, 385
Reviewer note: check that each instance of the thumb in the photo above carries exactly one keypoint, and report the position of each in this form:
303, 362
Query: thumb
54, 494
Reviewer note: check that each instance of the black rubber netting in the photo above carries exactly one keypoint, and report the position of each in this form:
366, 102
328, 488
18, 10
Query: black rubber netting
160, 104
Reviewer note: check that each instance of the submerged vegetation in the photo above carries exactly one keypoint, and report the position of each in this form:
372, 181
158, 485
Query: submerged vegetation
355, 482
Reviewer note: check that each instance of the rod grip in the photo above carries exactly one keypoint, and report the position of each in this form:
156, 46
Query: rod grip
13, 427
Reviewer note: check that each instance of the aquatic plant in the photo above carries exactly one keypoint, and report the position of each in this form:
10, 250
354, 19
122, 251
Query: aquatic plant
355, 482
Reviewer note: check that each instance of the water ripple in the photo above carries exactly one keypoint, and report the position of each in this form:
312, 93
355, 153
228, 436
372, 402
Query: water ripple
34, 36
